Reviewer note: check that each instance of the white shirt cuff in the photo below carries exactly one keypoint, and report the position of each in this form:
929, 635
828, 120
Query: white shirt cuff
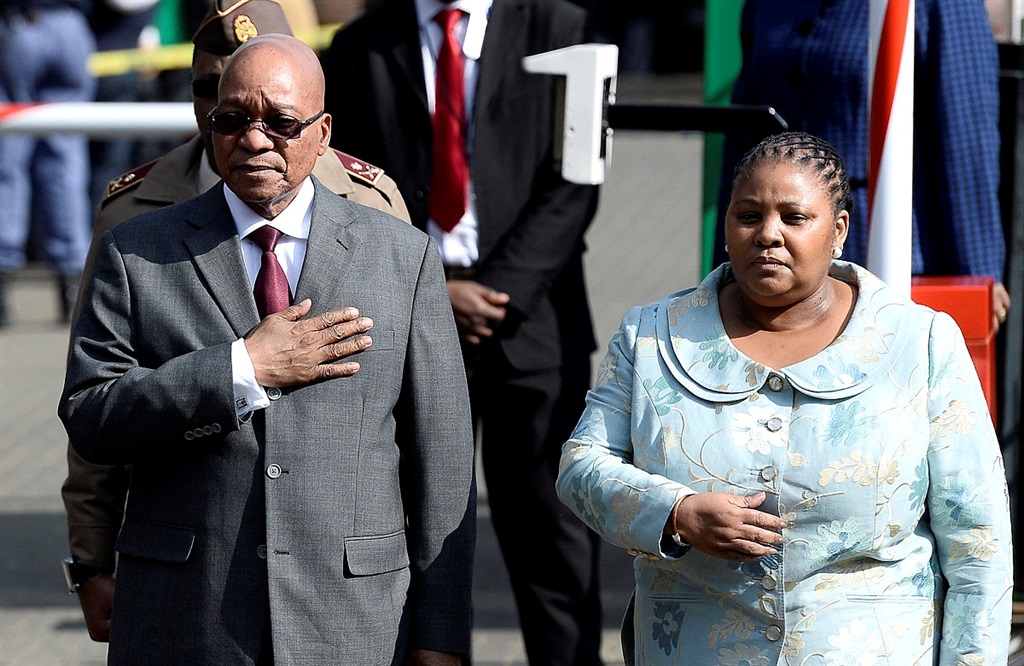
249, 395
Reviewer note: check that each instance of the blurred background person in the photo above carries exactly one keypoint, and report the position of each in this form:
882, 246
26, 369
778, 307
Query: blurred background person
435, 93
808, 59
117, 25
801, 459
44, 48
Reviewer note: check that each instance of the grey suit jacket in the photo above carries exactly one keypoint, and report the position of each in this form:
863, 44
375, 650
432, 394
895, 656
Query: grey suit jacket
344, 512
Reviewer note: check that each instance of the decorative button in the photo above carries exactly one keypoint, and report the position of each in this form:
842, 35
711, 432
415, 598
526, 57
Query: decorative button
189, 435
769, 582
774, 424
775, 383
274, 471
773, 633
769, 473
261, 552
273, 393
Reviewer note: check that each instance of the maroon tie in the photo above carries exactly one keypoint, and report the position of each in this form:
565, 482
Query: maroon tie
271, 288
450, 178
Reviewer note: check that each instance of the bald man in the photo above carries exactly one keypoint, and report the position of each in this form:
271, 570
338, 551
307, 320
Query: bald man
286, 506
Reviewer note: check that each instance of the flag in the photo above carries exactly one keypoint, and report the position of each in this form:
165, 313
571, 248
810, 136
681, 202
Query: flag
891, 141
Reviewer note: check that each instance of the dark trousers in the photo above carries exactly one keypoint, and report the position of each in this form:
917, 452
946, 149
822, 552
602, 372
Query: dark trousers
552, 557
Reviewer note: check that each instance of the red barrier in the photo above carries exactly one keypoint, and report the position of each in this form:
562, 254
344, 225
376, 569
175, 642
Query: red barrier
968, 300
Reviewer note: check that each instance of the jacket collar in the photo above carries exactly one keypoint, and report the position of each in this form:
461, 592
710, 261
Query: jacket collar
693, 343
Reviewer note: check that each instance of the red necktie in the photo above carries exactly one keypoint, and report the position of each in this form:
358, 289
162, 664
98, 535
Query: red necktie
271, 289
450, 178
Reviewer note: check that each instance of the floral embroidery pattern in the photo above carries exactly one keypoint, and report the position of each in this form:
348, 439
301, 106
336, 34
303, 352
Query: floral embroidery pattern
665, 629
587, 495
957, 417
625, 508
957, 501
857, 466
662, 395
919, 488
735, 623
979, 544
751, 431
719, 351
837, 374
854, 646
966, 615
837, 539
742, 655
847, 424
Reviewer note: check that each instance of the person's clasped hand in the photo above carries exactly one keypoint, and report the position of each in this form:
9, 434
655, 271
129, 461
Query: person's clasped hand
728, 526
478, 309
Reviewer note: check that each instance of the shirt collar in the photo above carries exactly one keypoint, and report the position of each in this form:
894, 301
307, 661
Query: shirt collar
293, 221
426, 10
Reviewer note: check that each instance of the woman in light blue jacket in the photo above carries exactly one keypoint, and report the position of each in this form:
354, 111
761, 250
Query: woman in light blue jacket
800, 458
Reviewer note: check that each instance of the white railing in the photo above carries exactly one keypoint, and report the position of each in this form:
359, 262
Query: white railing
99, 119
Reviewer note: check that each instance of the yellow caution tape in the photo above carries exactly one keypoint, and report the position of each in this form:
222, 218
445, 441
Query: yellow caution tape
179, 56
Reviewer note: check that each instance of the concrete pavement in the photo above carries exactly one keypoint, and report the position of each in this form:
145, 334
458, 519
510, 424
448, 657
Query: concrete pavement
644, 243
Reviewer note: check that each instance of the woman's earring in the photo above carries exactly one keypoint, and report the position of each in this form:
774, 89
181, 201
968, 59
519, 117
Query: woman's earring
837, 251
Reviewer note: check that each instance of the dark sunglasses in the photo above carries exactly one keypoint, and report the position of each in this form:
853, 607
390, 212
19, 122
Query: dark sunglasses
231, 123
205, 88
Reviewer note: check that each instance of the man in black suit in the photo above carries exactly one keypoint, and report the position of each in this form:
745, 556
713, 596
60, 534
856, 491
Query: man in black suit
513, 254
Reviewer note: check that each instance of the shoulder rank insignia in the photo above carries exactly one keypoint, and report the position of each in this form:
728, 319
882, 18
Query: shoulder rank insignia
361, 170
128, 180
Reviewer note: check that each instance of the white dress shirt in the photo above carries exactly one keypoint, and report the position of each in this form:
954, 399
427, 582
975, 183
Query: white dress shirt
293, 222
459, 247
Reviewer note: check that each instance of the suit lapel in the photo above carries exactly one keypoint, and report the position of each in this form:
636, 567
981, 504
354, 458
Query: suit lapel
401, 45
329, 251
504, 46
218, 259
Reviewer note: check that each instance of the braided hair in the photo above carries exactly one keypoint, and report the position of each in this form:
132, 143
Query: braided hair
804, 150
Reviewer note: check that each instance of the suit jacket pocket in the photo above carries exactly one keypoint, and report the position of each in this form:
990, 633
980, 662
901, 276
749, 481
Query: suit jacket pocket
370, 555
155, 541
382, 341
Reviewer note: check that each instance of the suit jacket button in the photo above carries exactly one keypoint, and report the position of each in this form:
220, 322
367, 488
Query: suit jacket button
261, 552
215, 427
274, 470
273, 393
207, 430
198, 432
189, 435
773, 633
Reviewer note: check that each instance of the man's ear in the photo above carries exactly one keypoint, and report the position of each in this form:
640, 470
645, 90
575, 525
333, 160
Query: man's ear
325, 134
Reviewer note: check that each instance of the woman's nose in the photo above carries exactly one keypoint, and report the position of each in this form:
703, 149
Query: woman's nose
769, 233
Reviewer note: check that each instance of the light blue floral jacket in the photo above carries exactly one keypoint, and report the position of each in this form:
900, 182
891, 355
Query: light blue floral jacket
879, 450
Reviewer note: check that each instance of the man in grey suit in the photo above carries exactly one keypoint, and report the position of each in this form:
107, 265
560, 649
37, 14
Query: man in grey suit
284, 507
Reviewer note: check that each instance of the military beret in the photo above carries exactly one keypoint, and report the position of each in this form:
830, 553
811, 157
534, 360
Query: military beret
231, 23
